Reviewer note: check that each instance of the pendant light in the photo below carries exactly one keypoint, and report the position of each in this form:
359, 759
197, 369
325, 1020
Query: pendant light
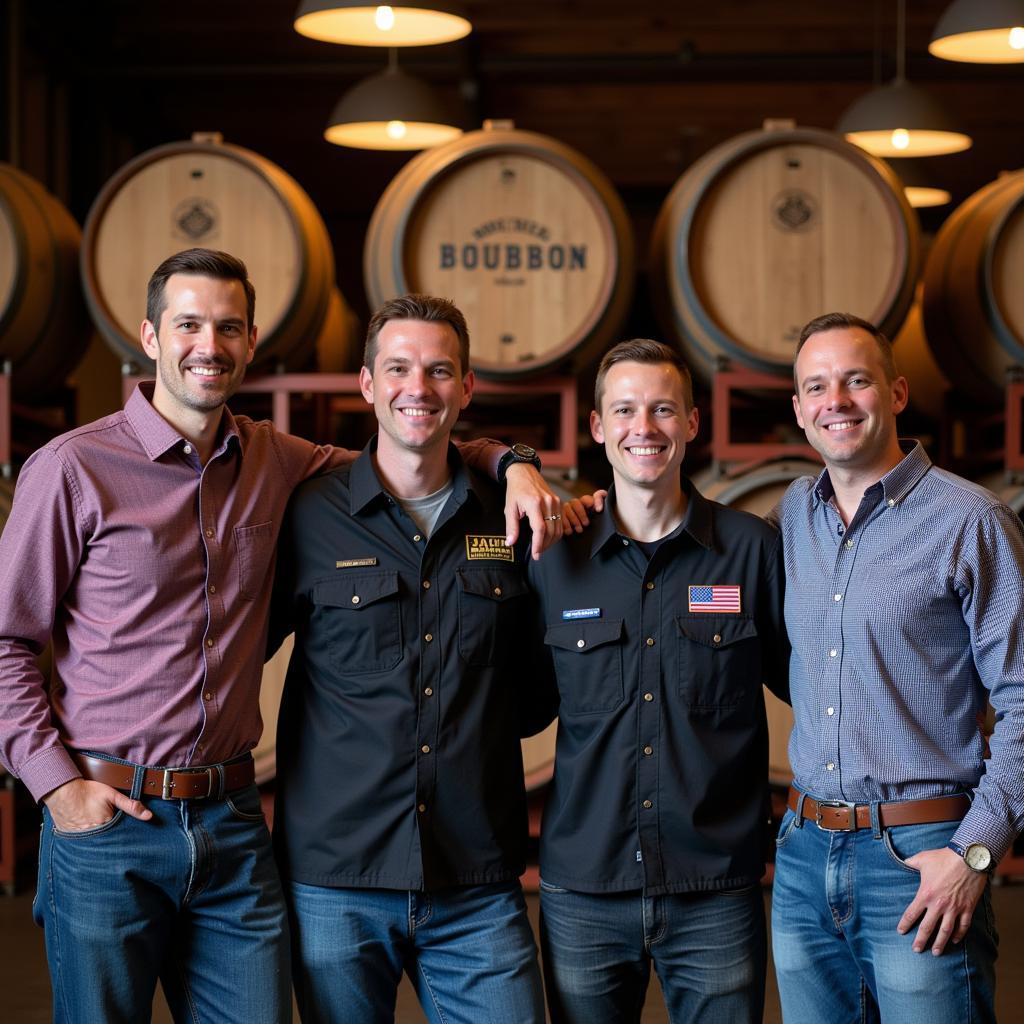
917, 184
980, 32
391, 110
900, 119
361, 24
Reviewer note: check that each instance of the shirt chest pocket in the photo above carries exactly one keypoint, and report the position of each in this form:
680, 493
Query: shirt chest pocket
490, 615
254, 546
719, 660
588, 661
359, 619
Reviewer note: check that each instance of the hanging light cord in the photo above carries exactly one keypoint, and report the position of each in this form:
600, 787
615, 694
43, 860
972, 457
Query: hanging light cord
901, 40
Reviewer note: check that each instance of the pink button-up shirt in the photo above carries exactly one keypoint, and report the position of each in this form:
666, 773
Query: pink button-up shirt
152, 574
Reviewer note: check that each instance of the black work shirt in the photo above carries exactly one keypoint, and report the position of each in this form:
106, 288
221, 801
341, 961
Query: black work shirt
661, 762
399, 764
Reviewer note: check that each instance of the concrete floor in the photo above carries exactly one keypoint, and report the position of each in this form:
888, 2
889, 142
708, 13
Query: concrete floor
25, 990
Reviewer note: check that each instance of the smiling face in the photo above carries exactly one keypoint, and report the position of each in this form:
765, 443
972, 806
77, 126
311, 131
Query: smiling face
202, 344
644, 424
846, 403
417, 388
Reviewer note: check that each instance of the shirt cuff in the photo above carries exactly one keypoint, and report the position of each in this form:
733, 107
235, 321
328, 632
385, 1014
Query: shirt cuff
979, 827
45, 771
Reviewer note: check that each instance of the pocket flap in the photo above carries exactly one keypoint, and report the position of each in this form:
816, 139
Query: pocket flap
716, 631
492, 584
583, 635
355, 592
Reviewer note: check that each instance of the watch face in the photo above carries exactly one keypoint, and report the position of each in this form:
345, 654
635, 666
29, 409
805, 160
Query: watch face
523, 451
978, 857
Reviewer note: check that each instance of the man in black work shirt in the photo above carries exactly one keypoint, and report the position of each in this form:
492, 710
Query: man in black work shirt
401, 818
663, 621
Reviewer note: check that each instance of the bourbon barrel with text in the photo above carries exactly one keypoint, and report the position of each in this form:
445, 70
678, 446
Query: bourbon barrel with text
524, 234
771, 229
974, 289
43, 323
219, 196
759, 490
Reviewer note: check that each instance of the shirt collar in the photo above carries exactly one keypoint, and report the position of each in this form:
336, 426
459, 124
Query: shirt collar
155, 434
896, 484
366, 489
697, 521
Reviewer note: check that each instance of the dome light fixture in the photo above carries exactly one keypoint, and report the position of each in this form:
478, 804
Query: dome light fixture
358, 23
917, 184
980, 32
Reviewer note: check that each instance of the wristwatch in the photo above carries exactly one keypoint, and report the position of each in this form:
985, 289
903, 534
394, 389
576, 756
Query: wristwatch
517, 453
976, 856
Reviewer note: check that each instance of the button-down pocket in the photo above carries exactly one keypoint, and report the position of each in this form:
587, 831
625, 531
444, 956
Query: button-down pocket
490, 616
719, 660
254, 546
588, 661
360, 618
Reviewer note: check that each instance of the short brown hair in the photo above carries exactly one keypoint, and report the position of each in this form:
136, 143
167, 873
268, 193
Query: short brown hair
427, 308
838, 321
207, 263
643, 350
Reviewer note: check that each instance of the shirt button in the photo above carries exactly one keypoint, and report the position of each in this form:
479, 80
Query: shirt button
648, 750
717, 638
428, 637
213, 589
648, 697
209, 641
625, 543
417, 537
832, 653
209, 532
421, 808
426, 584
207, 695
830, 712
188, 449
425, 748
649, 641
849, 543
581, 643
648, 805
497, 591
837, 597
355, 599
650, 586
891, 502
428, 690
830, 766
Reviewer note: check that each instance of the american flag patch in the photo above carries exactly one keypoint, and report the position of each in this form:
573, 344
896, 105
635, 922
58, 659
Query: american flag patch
715, 598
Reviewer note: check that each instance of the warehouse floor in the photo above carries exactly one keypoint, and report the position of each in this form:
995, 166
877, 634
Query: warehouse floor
25, 990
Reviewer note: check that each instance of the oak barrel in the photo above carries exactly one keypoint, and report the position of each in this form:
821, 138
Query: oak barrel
758, 490
526, 235
773, 228
973, 293
219, 196
43, 324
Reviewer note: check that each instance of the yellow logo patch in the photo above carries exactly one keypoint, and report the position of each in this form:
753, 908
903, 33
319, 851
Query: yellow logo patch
488, 546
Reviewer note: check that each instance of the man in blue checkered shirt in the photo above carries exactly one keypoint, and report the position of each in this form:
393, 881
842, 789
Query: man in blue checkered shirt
905, 609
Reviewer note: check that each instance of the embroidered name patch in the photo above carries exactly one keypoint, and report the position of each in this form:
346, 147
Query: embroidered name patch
354, 563
715, 597
581, 613
488, 546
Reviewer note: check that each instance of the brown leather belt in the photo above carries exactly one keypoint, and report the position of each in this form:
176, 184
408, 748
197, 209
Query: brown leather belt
171, 783
838, 816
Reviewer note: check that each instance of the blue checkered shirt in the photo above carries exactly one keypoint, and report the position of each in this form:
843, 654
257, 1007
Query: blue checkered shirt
901, 625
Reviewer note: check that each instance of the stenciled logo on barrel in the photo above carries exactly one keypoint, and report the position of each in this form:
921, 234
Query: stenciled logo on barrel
512, 248
195, 219
794, 210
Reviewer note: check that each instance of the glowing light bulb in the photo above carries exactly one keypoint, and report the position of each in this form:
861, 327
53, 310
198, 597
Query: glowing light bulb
396, 129
1017, 38
900, 138
384, 18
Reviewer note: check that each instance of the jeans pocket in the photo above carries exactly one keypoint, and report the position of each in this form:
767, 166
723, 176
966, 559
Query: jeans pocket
786, 827
905, 841
245, 804
96, 830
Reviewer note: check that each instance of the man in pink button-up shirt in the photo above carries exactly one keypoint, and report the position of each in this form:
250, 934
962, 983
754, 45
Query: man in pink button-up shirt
142, 545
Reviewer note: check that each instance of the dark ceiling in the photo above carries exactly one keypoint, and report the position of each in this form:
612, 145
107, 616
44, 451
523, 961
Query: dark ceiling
642, 87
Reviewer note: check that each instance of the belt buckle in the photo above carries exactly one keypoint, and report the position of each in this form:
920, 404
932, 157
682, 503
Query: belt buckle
168, 785
836, 805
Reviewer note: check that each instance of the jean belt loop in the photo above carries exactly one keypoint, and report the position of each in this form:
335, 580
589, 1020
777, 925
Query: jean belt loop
799, 823
138, 781
218, 793
876, 820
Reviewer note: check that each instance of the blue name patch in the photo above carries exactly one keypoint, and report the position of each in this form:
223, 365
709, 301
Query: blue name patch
581, 613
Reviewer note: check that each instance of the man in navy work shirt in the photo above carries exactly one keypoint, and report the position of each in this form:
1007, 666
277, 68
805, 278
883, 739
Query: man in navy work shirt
663, 620
401, 817
905, 605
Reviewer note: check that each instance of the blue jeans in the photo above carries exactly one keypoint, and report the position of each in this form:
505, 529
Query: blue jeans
191, 897
707, 947
837, 900
469, 953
